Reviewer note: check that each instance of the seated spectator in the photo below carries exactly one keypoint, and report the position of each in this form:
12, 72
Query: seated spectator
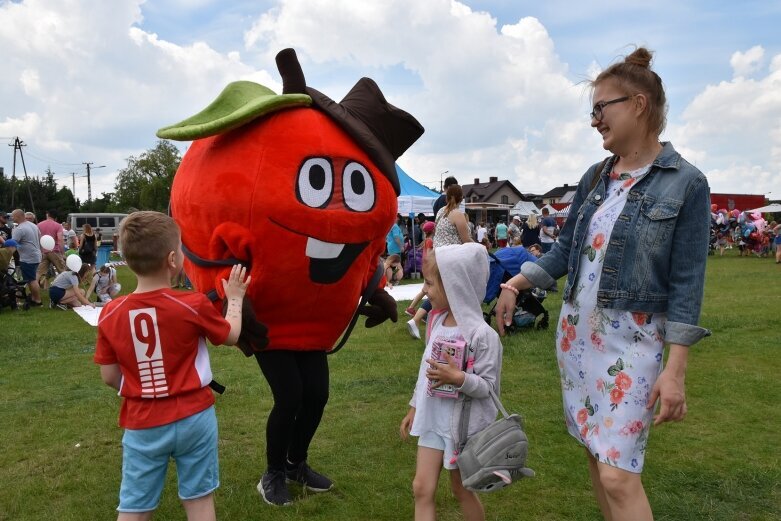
393, 270
104, 284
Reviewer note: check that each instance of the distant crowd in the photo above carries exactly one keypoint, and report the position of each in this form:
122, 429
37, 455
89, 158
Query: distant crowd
749, 232
50, 256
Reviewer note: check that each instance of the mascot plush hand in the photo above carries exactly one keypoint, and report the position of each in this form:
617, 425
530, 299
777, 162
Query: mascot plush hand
300, 189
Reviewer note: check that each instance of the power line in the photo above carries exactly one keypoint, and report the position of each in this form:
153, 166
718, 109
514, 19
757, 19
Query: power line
50, 160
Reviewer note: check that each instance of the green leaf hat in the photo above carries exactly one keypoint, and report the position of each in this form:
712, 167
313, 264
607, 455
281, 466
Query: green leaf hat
238, 104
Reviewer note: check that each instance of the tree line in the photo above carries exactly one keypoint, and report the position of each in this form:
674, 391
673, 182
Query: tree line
144, 184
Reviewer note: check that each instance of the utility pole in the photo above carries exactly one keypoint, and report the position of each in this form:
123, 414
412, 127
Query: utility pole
18, 144
89, 183
74, 176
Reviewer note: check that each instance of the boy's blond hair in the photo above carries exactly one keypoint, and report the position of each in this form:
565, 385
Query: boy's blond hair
147, 238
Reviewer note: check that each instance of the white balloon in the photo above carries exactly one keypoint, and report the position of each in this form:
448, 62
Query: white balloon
73, 262
47, 242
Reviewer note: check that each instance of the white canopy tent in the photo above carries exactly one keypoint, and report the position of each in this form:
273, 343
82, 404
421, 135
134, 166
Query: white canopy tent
524, 209
414, 198
771, 208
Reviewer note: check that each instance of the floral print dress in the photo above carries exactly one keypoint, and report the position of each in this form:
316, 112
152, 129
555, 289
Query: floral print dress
608, 359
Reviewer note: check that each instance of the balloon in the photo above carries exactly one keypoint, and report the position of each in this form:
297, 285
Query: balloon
73, 262
47, 242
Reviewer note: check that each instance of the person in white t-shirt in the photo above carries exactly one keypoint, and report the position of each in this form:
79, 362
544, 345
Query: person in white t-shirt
481, 231
547, 231
105, 284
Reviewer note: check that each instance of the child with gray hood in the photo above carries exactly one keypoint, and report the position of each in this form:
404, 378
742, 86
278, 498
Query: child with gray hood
455, 279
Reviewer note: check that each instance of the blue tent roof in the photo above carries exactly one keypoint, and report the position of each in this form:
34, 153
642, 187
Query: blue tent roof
414, 198
411, 187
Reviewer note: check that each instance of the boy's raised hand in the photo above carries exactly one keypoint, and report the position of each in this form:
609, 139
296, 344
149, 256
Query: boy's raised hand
236, 284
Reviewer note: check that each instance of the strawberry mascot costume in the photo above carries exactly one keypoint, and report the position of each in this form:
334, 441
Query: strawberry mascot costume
301, 190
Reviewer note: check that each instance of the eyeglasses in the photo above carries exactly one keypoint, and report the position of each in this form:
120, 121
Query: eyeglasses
599, 107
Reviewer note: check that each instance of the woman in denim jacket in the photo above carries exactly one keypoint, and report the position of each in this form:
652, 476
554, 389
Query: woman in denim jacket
634, 249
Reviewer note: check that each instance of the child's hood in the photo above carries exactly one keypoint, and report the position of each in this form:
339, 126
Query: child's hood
464, 272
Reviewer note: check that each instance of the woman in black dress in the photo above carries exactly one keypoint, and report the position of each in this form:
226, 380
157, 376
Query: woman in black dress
88, 249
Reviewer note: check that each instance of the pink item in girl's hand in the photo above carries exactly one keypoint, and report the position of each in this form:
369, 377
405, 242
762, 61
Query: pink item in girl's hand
456, 350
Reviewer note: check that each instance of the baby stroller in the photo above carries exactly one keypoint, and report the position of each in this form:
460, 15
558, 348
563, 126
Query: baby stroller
11, 291
505, 263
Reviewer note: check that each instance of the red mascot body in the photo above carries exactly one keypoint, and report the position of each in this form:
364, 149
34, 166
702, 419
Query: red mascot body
304, 196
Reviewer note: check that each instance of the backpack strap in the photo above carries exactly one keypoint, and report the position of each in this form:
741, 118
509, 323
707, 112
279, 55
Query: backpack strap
367, 292
598, 173
463, 424
212, 294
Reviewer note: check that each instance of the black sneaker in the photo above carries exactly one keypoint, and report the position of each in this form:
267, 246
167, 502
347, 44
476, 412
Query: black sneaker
303, 474
273, 489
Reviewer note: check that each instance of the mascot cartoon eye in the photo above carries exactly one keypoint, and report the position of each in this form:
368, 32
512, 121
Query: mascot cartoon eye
358, 187
315, 182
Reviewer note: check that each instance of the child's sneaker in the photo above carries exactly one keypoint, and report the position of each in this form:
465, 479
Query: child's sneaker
303, 474
410, 311
63, 307
273, 489
412, 327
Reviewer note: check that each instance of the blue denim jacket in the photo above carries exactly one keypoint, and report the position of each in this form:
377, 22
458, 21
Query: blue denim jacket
655, 259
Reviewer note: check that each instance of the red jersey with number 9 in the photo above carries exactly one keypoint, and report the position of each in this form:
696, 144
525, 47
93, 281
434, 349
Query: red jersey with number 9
158, 338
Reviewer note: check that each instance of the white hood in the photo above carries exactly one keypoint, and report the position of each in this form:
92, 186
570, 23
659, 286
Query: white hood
464, 272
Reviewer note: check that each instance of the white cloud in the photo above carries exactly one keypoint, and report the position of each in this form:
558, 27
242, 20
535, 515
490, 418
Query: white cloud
91, 83
732, 131
87, 81
26, 124
30, 81
747, 63
484, 89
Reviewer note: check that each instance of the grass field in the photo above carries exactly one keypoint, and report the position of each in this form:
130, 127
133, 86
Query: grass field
61, 447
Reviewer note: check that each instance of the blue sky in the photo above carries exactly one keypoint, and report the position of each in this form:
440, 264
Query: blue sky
497, 84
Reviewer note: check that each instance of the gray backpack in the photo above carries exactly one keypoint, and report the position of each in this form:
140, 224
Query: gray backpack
496, 456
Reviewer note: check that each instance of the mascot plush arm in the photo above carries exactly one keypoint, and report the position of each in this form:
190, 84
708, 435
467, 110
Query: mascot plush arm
380, 308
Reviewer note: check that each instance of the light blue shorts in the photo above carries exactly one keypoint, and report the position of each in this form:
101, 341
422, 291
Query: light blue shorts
432, 440
191, 442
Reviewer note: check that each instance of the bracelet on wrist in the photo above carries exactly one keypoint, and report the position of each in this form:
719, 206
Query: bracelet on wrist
510, 287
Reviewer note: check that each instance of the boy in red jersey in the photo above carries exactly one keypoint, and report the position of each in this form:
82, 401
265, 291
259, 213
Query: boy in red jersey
152, 348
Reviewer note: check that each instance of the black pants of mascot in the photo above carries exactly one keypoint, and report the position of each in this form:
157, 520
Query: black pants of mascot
299, 385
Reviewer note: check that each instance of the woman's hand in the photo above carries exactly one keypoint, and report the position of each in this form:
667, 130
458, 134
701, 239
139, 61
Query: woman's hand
406, 423
670, 387
505, 305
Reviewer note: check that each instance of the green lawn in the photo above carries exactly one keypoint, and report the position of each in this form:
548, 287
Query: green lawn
61, 447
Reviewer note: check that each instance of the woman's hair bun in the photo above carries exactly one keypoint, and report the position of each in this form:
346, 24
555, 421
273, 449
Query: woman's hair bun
641, 57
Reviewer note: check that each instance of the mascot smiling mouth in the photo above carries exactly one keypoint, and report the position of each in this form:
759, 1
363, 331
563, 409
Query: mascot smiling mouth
328, 261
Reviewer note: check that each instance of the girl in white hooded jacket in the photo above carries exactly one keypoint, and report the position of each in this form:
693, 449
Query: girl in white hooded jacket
455, 279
